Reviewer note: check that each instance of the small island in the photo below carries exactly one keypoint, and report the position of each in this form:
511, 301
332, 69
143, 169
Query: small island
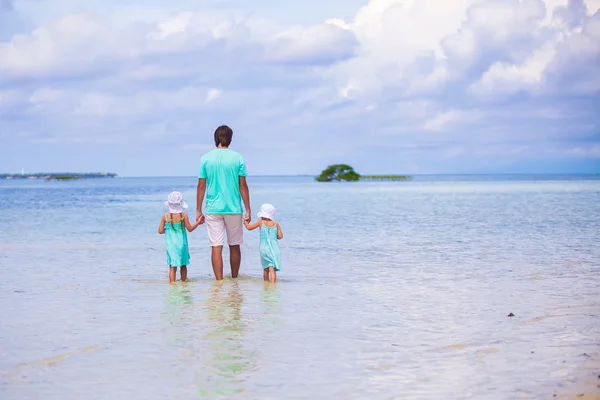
62, 176
344, 172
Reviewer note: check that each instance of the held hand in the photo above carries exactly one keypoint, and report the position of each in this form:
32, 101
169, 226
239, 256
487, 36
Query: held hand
247, 217
200, 220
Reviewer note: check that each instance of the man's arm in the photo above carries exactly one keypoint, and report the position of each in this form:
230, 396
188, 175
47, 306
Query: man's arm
201, 191
245, 192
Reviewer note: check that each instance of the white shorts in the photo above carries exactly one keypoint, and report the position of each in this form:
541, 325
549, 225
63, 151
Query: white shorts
218, 224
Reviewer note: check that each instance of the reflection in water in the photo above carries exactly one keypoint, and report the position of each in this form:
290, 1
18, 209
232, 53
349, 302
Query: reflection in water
178, 295
271, 299
229, 360
179, 303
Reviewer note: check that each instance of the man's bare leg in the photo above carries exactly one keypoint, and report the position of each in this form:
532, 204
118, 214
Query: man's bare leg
235, 259
183, 273
272, 275
172, 274
265, 274
217, 262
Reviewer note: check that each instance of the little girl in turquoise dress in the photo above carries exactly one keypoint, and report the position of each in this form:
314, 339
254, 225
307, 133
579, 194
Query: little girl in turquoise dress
173, 226
270, 233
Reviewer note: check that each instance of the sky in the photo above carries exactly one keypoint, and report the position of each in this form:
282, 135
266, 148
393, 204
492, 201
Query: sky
137, 87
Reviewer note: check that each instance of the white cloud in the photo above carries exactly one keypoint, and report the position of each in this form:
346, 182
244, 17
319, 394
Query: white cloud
62, 47
300, 44
592, 151
177, 24
86, 42
391, 35
146, 102
45, 95
593, 6
445, 118
212, 94
505, 78
500, 21
419, 46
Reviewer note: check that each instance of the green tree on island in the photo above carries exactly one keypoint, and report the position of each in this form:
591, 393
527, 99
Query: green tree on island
338, 172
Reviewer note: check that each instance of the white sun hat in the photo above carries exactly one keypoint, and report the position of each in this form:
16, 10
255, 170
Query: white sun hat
175, 203
266, 211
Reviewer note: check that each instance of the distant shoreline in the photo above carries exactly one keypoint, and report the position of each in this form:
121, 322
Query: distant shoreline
414, 176
534, 174
385, 177
62, 176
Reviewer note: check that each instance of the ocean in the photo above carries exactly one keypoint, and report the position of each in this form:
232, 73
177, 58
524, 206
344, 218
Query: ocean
388, 290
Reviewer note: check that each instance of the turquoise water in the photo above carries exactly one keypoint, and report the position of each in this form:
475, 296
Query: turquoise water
387, 291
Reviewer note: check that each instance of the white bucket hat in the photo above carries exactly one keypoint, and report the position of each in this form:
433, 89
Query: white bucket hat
266, 211
175, 203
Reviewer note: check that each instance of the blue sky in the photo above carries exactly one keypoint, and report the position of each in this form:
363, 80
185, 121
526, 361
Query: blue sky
388, 86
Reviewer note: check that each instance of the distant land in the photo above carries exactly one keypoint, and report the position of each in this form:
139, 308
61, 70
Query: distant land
344, 172
59, 176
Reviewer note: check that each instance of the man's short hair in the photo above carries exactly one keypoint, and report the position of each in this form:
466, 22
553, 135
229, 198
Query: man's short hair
223, 135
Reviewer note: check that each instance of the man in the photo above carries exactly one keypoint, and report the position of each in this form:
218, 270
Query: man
222, 179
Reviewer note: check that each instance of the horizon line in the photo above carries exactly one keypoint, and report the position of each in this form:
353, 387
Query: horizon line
315, 175
411, 175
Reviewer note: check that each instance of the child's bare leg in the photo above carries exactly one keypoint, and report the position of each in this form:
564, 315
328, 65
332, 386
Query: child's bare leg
183, 273
265, 274
172, 274
272, 275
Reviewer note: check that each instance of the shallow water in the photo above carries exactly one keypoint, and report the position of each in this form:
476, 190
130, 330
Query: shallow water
388, 291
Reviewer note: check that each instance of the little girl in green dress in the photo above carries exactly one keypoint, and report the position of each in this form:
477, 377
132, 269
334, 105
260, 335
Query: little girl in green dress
173, 226
270, 233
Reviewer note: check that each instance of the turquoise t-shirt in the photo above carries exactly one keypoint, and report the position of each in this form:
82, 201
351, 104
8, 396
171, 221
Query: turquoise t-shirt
222, 169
